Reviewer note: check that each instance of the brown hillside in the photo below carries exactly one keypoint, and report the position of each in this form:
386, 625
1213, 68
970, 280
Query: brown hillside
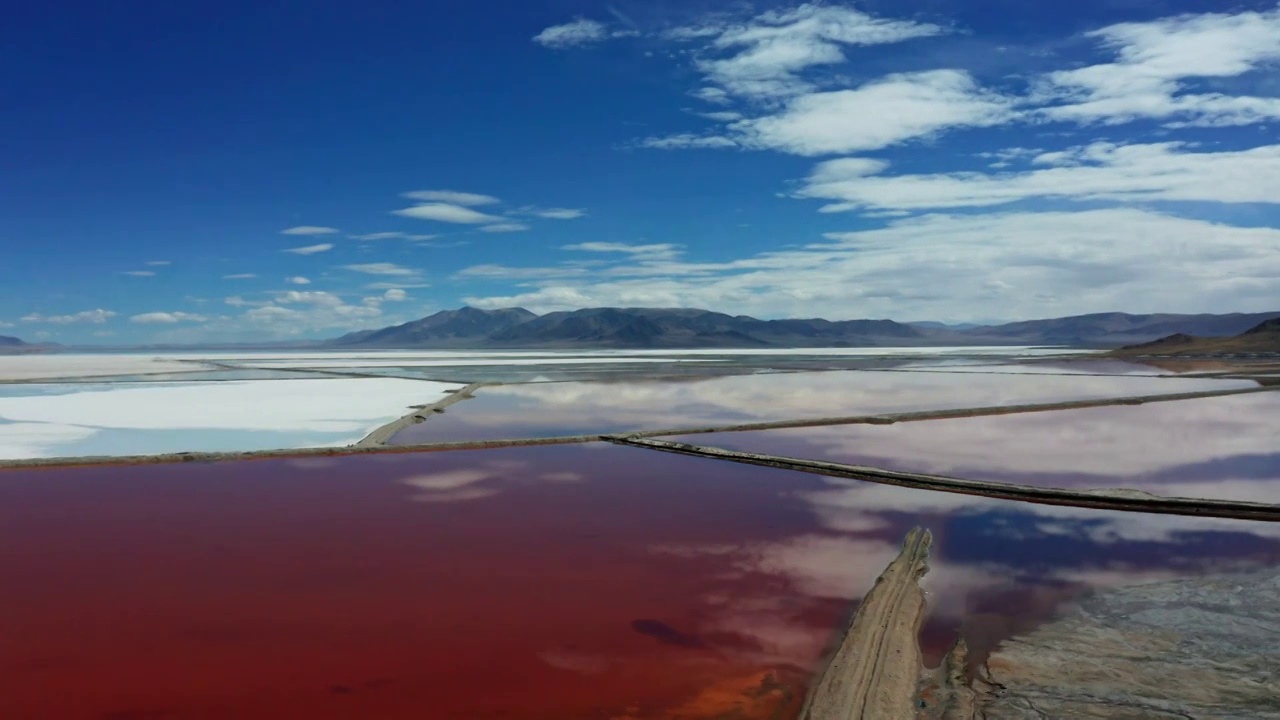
1262, 338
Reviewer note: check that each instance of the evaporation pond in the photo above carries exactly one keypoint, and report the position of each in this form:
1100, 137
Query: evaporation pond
570, 582
82, 419
574, 408
1222, 447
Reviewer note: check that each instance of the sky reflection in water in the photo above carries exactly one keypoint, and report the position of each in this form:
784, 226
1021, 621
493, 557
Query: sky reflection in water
549, 409
1226, 447
569, 582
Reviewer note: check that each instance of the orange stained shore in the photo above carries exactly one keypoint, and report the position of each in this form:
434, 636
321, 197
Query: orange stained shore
394, 588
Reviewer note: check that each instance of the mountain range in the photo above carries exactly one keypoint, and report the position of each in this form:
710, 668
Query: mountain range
1262, 338
469, 327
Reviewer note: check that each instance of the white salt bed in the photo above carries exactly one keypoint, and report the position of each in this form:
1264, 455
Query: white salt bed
467, 361
299, 413
32, 367
32, 440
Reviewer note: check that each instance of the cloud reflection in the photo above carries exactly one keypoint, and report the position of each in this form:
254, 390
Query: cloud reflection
536, 410
1215, 447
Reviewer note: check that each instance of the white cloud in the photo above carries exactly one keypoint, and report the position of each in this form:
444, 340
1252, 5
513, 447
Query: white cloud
646, 252
139, 273
310, 249
452, 197
573, 34
380, 269
158, 263
879, 114
167, 318
721, 116
310, 297
309, 230
560, 213
96, 317
392, 236
297, 313
960, 268
1153, 58
395, 295
1102, 171
504, 227
445, 212
397, 285
501, 272
297, 280
240, 276
763, 57
687, 141
712, 95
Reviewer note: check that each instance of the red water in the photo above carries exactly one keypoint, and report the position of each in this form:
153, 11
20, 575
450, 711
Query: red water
265, 590
565, 583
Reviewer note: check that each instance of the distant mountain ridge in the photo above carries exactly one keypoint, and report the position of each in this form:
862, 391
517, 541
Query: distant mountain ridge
625, 328
1262, 338
463, 325
1122, 328
10, 345
639, 328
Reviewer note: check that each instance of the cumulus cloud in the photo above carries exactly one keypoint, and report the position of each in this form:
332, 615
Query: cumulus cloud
96, 317
158, 263
1153, 61
452, 197
382, 268
318, 297
766, 62
573, 34
167, 318
309, 230
240, 276
959, 268
139, 273
294, 313
764, 57
1101, 171
449, 213
310, 249
395, 295
297, 280
907, 106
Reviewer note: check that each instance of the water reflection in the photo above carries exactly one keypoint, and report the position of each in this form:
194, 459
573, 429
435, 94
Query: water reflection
1225, 447
572, 408
582, 582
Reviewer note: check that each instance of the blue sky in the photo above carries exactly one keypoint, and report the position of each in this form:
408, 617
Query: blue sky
200, 171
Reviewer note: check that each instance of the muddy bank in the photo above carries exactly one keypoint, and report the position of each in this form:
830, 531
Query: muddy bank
1203, 648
